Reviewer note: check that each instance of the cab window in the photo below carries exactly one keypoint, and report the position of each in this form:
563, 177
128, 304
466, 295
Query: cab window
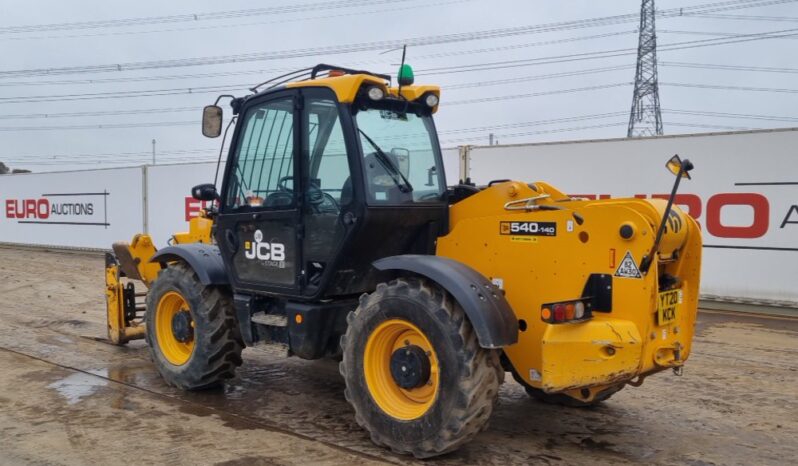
400, 157
263, 166
330, 183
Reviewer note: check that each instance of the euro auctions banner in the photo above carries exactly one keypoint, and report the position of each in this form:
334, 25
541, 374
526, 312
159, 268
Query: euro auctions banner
743, 192
89, 209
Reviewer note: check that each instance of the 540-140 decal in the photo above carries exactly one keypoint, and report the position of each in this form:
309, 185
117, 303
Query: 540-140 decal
528, 228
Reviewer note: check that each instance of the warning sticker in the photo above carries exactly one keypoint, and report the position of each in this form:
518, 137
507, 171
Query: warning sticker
628, 268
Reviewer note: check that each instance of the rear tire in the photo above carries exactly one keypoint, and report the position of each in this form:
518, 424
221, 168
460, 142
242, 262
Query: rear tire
431, 418
205, 347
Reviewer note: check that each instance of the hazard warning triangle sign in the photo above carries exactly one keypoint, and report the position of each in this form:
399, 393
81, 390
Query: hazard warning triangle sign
628, 268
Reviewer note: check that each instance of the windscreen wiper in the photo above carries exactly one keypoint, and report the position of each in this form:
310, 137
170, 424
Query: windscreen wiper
396, 175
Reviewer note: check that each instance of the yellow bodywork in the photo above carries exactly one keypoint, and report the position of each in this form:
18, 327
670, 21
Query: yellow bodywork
199, 231
346, 87
584, 358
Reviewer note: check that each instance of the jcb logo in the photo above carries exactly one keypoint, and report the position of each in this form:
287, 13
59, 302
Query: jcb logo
263, 250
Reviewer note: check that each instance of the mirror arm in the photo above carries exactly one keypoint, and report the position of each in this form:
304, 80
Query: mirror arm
220, 98
645, 264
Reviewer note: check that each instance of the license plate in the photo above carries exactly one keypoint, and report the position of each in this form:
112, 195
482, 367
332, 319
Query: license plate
668, 306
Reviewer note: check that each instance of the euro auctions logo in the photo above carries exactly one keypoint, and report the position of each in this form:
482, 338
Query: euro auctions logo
60, 209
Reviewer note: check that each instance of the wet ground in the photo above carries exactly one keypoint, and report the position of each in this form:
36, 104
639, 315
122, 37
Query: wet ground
68, 398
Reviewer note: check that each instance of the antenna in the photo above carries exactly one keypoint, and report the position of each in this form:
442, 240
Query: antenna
405, 75
645, 118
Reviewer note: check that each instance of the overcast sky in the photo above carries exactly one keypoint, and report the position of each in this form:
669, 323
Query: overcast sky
27, 93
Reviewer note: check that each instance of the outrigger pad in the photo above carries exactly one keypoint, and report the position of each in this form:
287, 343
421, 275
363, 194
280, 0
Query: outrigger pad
127, 264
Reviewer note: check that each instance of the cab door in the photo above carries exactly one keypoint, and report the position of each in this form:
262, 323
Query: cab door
329, 207
259, 223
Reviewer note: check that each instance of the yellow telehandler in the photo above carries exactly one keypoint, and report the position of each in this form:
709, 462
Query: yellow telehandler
334, 235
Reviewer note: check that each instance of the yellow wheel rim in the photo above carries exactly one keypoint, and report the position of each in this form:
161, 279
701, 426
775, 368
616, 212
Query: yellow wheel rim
400, 403
175, 351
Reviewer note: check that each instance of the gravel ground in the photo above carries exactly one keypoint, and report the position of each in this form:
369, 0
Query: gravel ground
67, 397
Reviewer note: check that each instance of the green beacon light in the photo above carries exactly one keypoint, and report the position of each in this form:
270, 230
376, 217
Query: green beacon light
405, 76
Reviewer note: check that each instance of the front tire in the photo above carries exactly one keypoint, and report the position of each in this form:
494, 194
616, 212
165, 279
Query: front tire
414, 371
191, 330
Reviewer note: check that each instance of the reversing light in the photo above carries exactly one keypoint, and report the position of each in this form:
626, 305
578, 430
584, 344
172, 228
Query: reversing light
431, 100
579, 310
376, 93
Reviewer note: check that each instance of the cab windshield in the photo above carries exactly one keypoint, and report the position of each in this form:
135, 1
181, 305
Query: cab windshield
401, 159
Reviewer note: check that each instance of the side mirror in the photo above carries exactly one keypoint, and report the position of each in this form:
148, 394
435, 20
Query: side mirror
212, 121
676, 165
204, 192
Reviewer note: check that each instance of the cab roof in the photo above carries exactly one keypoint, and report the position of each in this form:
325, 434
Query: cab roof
346, 83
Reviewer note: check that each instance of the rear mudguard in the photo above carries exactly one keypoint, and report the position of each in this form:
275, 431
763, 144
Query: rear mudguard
204, 259
483, 302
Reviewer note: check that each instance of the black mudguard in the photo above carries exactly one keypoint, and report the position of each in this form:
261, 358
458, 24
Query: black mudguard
483, 302
204, 259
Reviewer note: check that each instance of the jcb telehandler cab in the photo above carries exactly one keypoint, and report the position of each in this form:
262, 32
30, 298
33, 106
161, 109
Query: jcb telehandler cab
334, 234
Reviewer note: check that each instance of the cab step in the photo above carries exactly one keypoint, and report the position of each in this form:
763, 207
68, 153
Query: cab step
272, 349
272, 320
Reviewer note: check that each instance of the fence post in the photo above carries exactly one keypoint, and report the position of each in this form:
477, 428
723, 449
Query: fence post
465, 162
145, 195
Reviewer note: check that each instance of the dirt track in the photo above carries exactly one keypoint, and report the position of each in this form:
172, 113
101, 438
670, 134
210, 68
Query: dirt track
66, 398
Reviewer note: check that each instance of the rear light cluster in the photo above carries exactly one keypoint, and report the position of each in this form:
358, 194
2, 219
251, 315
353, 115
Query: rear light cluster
566, 311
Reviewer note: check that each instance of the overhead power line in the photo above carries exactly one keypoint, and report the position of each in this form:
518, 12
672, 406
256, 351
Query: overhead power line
303, 7
153, 124
746, 17
741, 116
709, 66
367, 46
403, 7
124, 94
732, 88
112, 32
603, 54
564, 74
710, 33
534, 94
707, 126
470, 51
191, 17
306, 52
194, 122
429, 71
260, 72
143, 111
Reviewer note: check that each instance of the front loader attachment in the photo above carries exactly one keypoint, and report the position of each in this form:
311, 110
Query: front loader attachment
125, 306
